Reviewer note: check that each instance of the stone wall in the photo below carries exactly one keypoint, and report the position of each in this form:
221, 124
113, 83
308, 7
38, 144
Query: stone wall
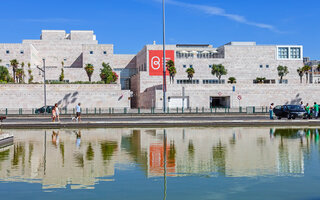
251, 95
29, 96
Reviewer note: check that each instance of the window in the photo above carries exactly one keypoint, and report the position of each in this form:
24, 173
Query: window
7, 65
184, 66
105, 53
64, 59
91, 52
210, 66
191, 66
267, 66
213, 81
295, 52
7, 52
283, 52
261, 66
187, 81
21, 52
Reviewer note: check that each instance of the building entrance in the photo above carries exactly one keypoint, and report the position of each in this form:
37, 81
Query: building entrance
220, 102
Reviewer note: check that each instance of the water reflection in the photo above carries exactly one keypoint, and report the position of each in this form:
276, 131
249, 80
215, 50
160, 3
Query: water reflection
80, 158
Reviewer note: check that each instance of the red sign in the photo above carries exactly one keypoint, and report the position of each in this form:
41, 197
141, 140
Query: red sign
239, 97
156, 61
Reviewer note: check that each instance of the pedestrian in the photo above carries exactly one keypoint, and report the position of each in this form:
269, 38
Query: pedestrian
57, 111
78, 114
271, 111
316, 110
308, 111
54, 114
301, 105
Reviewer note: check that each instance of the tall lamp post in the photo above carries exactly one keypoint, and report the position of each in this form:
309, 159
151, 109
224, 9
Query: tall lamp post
44, 81
164, 57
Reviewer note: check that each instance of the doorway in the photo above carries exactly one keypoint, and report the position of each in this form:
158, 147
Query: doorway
219, 102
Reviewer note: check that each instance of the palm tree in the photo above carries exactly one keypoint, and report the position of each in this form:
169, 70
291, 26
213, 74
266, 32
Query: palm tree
219, 70
300, 72
306, 70
14, 63
89, 69
62, 64
172, 70
232, 80
30, 73
260, 79
282, 71
22, 66
190, 71
20, 74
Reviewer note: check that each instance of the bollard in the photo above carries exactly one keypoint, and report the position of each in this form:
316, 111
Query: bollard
215, 109
21, 111
225, 110
168, 110
262, 108
6, 111
109, 110
95, 110
65, 110
228, 109
100, 111
33, 111
125, 111
254, 109
240, 109
73, 110
86, 110
182, 110
202, 109
151, 110
177, 110
190, 110
112, 110
211, 109
138, 110
196, 109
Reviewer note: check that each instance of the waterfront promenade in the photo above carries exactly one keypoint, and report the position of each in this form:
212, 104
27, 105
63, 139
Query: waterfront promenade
167, 120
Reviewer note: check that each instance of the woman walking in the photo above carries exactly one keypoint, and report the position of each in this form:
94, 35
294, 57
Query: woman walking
308, 111
57, 111
54, 114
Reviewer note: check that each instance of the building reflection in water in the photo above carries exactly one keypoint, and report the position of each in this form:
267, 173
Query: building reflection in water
82, 158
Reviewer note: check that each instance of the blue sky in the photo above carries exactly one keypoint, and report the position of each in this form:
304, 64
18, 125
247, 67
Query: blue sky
130, 24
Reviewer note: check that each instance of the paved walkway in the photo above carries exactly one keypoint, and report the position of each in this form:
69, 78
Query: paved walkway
154, 121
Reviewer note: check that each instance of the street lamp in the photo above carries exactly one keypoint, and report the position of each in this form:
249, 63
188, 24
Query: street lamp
164, 57
44, 81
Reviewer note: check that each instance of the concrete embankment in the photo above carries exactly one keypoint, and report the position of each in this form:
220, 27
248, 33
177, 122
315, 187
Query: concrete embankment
155, 122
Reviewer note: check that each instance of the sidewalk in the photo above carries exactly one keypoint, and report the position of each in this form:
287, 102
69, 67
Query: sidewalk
159, 123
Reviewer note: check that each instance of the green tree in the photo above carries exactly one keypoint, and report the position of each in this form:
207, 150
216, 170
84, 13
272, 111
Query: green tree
219, 70
300, 72
232, 80
20, 74
4, 75
260, 79
89, 69
61, 77
30, 73
190, 71
22, 66
172, 69
282, 71
306, 70
14, 63
107, 75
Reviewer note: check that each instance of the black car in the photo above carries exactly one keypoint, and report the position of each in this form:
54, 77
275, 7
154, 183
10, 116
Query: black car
290, 112
43, 109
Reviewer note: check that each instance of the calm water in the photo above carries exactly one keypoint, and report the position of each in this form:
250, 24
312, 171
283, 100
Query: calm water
191, 163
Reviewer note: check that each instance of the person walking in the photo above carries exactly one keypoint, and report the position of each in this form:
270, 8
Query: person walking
301, 105
271, 111
54, 114
57, 111
316, 110
78, 108
308, 110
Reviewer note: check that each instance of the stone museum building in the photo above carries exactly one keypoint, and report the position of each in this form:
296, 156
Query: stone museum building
141, 75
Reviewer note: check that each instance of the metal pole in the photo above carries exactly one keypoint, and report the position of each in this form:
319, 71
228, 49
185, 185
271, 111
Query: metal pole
164, 57
165, 163
44, 82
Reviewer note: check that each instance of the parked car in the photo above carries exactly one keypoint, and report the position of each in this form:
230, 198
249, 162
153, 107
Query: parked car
290, 112
43, 109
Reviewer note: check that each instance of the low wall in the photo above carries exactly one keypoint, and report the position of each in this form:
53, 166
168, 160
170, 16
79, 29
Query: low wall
251, 95
29, 96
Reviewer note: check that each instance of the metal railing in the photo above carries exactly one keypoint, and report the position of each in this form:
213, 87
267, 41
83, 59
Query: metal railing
124, 111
